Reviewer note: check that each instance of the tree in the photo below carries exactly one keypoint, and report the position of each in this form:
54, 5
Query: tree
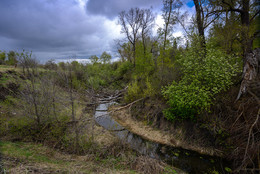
131, 22
170, 17
32, 95
2, 57
203, 20
94, 59
27, 62
12, 58
67, 77
125, 51
200, 22
248, 12
51, 65
146, 25
105, 57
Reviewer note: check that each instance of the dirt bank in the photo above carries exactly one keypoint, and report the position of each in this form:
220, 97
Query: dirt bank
150, 133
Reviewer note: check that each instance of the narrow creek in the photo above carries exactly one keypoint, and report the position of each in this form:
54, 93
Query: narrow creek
184, 159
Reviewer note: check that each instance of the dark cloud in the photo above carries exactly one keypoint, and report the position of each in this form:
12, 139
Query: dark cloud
61, 27
111, 8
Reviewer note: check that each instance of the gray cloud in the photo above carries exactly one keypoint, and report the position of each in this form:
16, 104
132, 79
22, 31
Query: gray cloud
111, 8
61, 27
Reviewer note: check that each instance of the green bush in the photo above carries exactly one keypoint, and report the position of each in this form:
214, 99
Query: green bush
149, 91
124, 70
202, 79
139, 89
96, 82
2, 57
134, 91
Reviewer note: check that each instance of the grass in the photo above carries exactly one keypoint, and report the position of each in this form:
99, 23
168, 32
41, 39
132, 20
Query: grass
20, 157
4, 68
27, 151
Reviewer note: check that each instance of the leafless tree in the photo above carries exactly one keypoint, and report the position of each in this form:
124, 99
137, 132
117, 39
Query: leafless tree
170, 8
147, 22
67, 77
131, 23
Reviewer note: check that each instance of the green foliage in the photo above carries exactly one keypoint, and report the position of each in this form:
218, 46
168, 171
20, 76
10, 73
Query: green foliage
94, 59
105, 58
169, 170
62, 65
51, 65
149, 91
12, 58
2, 57
144, 63
124, 70
95, 82
133, 92
185, 100
138, 89
227, 169
164, 59
202, 80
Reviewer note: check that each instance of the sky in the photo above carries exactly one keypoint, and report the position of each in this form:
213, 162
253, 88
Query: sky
62, 29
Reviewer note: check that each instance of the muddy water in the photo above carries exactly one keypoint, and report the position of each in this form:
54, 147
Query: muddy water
187, 160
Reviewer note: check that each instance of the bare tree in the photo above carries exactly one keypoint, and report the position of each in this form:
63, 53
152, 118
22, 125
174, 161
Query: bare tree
131, 23
67, 77
147, 22
169, 15
31, 94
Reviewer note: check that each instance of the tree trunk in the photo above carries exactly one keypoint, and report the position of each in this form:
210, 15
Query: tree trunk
200, 26
250, 58
251, 70
167, 24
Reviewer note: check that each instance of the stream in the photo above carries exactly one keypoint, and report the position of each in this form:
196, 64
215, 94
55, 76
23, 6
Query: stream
184, 159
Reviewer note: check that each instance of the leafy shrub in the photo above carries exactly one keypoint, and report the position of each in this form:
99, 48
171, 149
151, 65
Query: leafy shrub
95, 82
138, 89
134, 91
202, 80
124, 69
149, 90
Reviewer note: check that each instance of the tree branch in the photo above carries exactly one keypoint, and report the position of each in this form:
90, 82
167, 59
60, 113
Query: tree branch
252, 18
211, 21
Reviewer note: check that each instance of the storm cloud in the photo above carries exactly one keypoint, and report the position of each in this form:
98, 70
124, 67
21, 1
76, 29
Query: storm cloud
61, 27
64, 28
111, 8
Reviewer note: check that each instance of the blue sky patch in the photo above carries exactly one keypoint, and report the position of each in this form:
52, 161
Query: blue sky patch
190, 4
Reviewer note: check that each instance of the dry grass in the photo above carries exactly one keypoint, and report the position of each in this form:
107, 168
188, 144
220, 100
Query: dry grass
4, 68
150, 133
114, 159
32, 158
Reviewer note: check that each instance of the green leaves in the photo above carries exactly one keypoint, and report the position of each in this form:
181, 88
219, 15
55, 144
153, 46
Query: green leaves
202, 80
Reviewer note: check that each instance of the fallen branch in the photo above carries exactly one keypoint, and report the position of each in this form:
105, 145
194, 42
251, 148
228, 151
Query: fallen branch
128, 105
